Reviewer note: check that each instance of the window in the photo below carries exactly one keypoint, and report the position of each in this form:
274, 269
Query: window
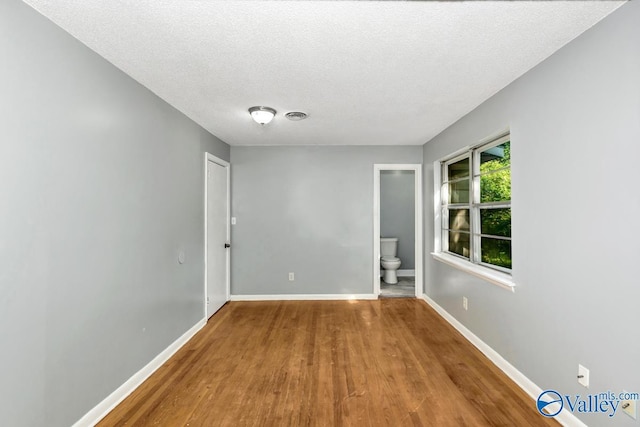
475, 206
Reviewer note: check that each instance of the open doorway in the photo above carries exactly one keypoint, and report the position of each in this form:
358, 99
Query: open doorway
397, 200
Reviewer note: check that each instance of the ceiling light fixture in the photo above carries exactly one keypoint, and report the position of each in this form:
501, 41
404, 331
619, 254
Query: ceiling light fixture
262, 115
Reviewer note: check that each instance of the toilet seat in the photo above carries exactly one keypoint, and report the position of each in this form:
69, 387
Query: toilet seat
389, 259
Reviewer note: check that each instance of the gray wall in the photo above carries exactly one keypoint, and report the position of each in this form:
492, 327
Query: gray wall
397, 213
101, 185
307, 210
575, 127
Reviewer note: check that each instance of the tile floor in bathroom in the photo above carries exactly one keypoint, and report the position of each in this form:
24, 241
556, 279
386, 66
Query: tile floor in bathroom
405, 288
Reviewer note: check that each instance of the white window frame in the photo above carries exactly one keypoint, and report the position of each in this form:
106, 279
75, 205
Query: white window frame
491, 273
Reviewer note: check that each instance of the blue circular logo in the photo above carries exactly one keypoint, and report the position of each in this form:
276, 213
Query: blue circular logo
550, 397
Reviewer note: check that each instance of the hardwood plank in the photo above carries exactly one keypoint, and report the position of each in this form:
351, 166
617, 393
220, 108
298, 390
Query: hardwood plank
390, 362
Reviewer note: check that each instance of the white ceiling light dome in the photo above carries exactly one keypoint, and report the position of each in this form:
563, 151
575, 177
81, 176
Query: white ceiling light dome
262, 115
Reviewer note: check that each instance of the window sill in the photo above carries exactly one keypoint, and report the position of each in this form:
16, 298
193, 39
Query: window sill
495, 277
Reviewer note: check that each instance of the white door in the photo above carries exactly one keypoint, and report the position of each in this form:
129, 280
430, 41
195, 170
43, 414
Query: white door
217, 236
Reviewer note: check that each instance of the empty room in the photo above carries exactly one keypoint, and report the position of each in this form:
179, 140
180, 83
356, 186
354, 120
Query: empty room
319, 213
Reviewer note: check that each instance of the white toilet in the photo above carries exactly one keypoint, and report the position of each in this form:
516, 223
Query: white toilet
389, 262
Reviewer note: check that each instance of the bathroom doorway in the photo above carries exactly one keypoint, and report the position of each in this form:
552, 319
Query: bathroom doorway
402, 184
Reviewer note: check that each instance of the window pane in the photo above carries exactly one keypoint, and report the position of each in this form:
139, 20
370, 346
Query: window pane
496, 252
495, 180
496, 222
495, 157
459, 219
459, 192
459, 169
495, 186
459, 243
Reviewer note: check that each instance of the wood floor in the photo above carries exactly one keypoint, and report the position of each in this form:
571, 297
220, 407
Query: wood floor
388, 362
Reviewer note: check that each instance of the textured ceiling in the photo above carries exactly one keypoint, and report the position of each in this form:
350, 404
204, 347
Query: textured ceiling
371, 73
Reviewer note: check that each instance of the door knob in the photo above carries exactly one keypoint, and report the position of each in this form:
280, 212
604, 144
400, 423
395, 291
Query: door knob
227, 245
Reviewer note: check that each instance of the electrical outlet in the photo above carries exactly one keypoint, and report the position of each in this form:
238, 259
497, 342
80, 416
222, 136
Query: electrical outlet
583, 376
465, 303
233, 220
629, 407
291, 277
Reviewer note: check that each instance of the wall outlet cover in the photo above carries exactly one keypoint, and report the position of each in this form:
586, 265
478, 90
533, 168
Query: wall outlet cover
583, 376
629, 407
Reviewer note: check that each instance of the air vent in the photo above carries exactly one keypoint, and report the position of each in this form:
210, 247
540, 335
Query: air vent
296, 115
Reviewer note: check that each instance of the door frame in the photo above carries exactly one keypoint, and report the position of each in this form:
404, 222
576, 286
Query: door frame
210, 158
417, 228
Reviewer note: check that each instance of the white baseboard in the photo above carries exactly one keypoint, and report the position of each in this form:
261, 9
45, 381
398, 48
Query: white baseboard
402, 273
302, 297
566, 417
92, 417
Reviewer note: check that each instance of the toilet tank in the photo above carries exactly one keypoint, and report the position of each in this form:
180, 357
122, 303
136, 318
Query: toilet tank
388, 246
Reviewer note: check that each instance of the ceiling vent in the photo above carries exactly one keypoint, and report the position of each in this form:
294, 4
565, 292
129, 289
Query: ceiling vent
296, 115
